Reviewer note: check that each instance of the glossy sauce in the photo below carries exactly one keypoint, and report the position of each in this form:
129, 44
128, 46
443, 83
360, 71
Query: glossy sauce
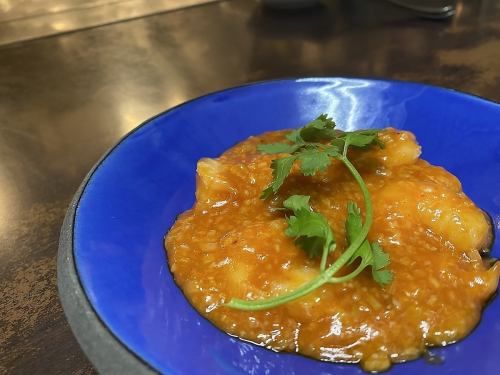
232, 244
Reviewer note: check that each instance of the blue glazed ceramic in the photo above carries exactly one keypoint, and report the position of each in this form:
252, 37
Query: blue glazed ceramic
139, 188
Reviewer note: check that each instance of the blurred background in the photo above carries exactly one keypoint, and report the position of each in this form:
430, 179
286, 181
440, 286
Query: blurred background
76, 75
28, 19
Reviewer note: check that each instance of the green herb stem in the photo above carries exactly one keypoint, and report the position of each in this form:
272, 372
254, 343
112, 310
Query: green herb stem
352, 275
346, 255
326, 275
324, 258
267, 303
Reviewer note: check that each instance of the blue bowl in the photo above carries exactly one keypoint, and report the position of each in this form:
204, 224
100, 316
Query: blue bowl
115, 284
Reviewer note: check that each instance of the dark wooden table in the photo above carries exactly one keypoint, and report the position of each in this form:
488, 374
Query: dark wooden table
65, 99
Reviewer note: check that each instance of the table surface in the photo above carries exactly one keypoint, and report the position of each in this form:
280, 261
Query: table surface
65, 99
22, 20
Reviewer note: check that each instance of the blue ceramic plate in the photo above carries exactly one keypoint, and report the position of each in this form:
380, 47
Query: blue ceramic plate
133, 196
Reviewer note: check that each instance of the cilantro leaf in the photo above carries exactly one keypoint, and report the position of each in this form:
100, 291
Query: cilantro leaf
362, 138
267, 192
370, 254
338, 143
294, 136
281, 169
380, 260
322, 128
278, 148
311, 229
313, 246
328, 121
297, 202
359, 140
353, 222
312, 161
353, 226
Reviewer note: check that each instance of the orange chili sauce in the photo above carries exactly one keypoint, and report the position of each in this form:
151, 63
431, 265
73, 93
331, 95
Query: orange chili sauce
231, 244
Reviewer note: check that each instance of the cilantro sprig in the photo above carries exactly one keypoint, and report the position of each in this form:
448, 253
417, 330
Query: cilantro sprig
310, 229
313, 156
313, 147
